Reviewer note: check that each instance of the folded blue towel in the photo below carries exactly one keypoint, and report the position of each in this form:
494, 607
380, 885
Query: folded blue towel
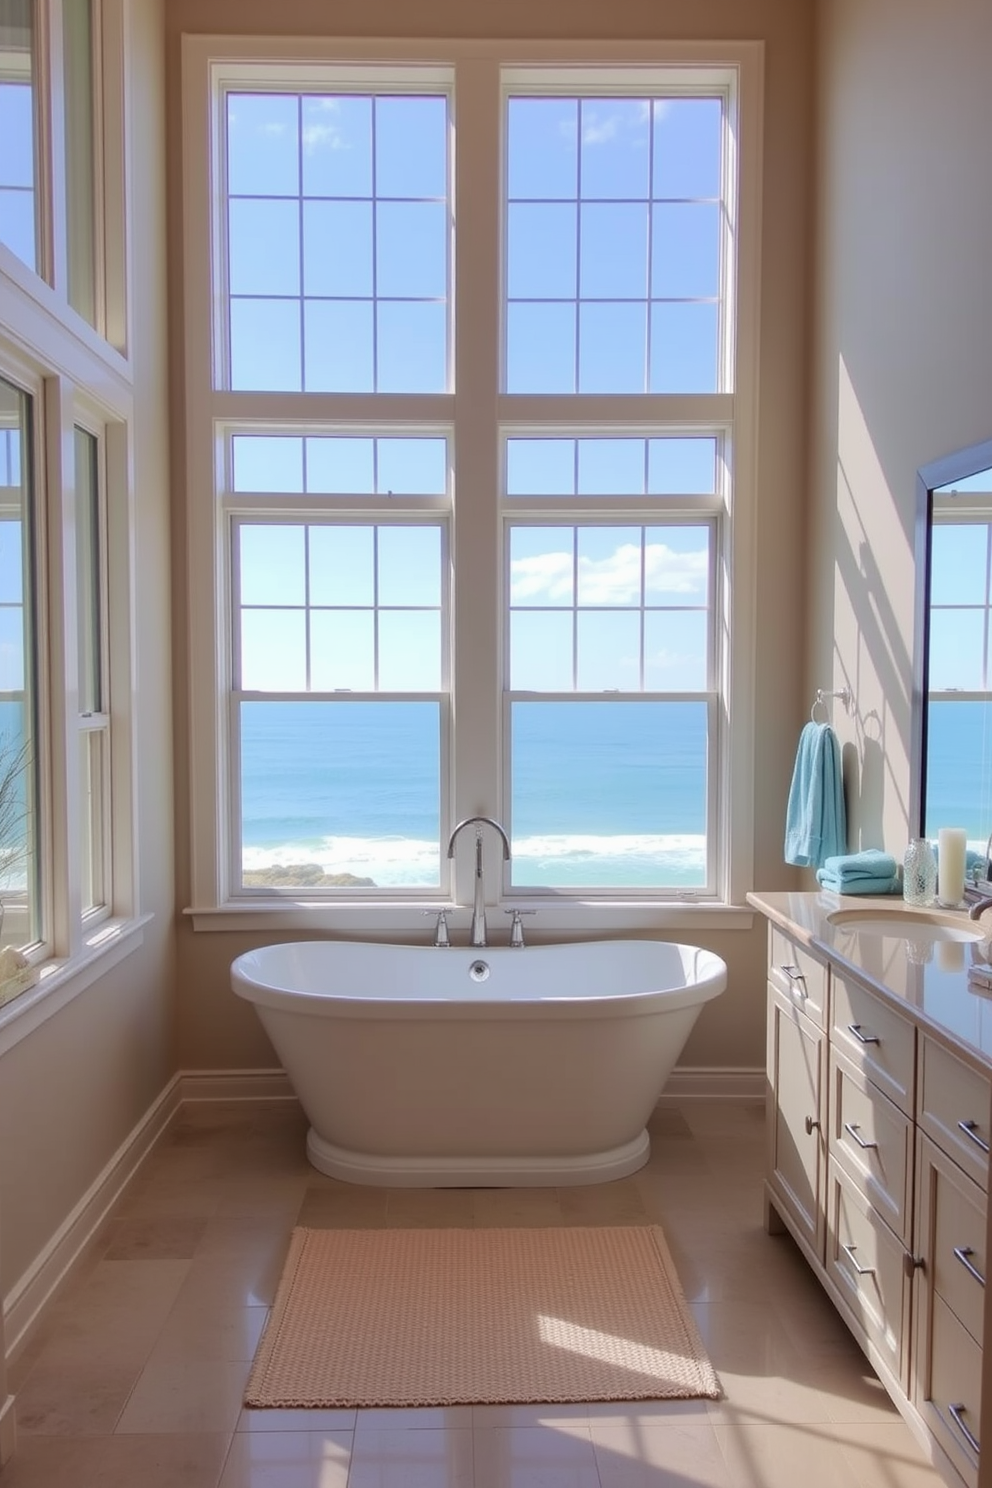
871, 862
860, 883
815, 823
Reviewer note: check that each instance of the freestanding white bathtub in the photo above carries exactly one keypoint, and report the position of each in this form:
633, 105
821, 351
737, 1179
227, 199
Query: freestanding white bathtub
469, 1067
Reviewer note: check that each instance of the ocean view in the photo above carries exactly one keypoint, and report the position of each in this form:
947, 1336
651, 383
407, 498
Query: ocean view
607, 794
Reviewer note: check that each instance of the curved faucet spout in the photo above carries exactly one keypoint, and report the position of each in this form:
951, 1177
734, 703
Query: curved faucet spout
478, 937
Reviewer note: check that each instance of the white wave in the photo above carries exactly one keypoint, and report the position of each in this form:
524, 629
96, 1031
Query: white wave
391, 862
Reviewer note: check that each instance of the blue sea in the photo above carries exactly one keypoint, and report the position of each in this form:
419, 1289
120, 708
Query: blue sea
959, 769
607, 794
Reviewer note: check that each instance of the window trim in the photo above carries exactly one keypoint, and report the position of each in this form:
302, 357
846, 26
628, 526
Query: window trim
476, 742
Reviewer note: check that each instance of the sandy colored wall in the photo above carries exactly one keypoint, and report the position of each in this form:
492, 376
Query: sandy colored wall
73, 1090
216, 1031
903, 340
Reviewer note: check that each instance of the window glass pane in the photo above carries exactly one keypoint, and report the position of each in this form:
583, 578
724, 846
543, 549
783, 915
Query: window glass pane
77, 57
337, 145
612, 348
411, 249
273, 650
409, 651
265, 346
683, 348
609, 565
611, 467
540, 467
342, 565
267, 462
88, 574
959, 768
959, 561
20, 917
411, 147
687, 147
415, 467
608, 651
342, 650
93, 774
340, 465
685, 251
340, 794
339, 351
273, 566
337, 248
263, 144
681, 467
264, 239
17, 168
411, 347
541, 651
675, 651
540, 348
641, 823
542, 152
541, 242
541, 565
957, 649
677, 565
410, 566
616, 147
614, 252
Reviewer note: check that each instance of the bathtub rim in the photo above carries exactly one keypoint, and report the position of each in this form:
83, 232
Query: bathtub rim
475, 1003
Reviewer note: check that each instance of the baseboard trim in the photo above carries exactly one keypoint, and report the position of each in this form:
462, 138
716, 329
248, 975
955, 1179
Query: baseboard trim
29, 1295
31, 1292
716, 1083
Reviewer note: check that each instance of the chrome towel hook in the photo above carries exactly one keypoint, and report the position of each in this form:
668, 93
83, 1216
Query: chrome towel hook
820, 701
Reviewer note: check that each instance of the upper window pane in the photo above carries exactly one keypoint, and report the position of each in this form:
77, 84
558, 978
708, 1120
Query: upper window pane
625, 466
340, 464
615, 244
77, 66
338, 224
17, 168
89, 578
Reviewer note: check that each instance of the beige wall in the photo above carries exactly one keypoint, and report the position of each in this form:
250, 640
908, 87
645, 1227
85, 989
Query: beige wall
903, 348
215, 1029
72, 1091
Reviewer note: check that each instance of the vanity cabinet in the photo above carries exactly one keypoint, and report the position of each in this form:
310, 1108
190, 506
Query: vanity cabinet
878, 1139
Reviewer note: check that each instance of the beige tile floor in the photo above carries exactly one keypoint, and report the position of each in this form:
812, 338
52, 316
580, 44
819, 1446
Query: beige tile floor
135, 1377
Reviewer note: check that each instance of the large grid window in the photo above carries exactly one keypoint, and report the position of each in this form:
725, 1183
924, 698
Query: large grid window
17, 130
463, 373
959, 705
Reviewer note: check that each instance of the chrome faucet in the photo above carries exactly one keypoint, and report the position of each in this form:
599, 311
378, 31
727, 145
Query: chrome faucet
478, 937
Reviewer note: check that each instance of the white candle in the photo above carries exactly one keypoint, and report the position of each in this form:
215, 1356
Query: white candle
951, 848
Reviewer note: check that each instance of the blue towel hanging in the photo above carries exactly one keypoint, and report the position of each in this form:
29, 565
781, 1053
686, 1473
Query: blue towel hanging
815, 823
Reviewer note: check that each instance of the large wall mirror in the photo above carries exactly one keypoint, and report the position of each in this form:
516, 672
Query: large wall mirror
952, 704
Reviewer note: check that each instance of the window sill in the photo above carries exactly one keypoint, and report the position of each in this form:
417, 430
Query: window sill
553, 918
61, 979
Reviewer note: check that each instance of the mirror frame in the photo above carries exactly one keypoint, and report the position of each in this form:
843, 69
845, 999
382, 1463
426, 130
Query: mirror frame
929, 478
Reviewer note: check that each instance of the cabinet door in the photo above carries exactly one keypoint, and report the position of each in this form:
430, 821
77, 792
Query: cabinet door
796, 1120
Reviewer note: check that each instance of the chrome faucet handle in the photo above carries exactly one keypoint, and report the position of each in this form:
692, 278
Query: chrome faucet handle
441, 937
516, 925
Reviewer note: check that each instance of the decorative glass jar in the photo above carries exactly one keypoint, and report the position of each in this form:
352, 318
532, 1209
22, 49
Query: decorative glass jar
919, 873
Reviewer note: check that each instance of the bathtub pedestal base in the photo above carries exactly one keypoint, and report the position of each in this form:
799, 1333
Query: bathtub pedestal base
477, 1172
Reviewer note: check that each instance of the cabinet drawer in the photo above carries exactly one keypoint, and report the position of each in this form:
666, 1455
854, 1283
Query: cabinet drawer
951, 1390
954, 1109
866, 1263
873, 1141
797, 1068
797, 974
952, 1236
876, 1038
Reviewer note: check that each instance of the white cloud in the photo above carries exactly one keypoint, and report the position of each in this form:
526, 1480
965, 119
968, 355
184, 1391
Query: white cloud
614, 580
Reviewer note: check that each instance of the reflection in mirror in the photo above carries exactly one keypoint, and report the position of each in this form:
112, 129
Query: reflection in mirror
953, 713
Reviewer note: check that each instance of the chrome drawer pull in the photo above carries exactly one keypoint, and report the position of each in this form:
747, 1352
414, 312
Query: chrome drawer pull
963, 1252
957, 1411
861, 1270
970, 1129
811, 1126
797, 981
862, 1038
853, 1132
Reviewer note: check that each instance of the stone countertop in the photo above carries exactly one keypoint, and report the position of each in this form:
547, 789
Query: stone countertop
927, 978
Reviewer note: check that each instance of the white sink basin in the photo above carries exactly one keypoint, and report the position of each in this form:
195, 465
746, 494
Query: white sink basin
908, 924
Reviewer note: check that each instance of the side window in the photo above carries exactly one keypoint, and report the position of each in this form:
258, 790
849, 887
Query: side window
18, 187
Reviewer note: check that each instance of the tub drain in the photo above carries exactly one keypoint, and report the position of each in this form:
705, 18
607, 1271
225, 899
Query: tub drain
479, 971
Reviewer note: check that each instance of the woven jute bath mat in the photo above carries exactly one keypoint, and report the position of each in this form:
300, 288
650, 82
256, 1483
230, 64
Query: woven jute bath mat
446, 1317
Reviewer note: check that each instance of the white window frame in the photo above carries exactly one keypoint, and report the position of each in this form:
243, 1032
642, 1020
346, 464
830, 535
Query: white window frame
482, 69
